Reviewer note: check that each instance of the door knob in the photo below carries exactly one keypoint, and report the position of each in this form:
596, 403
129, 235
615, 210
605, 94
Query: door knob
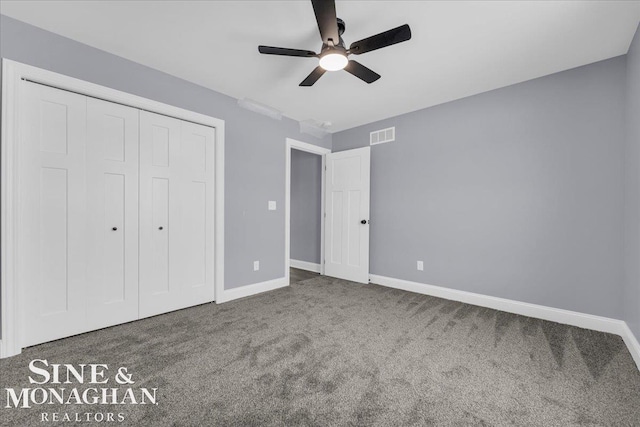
115, 228
160, 228
364, 221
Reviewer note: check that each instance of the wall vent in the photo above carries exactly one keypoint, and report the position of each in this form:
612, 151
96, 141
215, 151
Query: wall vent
381, 136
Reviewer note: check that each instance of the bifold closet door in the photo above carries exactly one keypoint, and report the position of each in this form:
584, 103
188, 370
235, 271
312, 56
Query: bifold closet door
112, 213
52, 213
176, 214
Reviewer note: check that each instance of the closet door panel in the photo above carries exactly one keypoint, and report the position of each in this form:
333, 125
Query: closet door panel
176, 208
195, 234
159, 274
52, 212
161, 261
113, 259
198, 211
112, 213
54, 257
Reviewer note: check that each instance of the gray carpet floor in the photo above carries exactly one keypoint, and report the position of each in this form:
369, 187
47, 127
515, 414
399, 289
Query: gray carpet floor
328, 352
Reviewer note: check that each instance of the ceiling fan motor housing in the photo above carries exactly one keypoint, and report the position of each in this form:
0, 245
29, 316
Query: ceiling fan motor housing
333, 49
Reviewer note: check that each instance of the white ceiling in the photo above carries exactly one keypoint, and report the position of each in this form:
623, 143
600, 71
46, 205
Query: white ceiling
459, 48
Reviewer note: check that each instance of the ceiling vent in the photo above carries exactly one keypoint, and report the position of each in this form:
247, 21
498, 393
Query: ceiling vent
381, 136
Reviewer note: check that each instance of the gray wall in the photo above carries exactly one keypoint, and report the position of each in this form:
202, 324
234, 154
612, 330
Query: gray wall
632, 189
514, 193
254, 144
306, 185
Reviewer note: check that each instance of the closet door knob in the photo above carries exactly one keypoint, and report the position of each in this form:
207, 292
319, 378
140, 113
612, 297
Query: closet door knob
160, 228
364, 221
115, 228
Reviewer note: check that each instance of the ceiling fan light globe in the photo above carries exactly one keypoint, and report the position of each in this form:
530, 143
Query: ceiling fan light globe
333, 61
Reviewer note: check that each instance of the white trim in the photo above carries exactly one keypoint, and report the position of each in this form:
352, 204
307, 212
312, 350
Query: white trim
12, 74
309, 148
218, 283
304, 265
573, 318
632, 344
9, 293
567, 317
249, 290
323, 211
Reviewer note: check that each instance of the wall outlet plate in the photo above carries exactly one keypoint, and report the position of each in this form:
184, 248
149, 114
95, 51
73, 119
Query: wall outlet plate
256, 265
272, 205
420, 266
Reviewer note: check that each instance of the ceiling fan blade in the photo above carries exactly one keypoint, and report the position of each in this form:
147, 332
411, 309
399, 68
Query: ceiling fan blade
361, 72
388, 38
313, 77
325, 11
270, 50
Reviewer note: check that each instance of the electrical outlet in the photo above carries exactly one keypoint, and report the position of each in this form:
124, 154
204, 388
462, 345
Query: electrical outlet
256, 265
420, 266
272, 205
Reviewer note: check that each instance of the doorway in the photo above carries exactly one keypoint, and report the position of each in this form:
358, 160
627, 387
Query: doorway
308, 244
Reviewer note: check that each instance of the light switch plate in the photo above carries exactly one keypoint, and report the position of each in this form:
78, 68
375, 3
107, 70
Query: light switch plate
256, 265
272, 205
420, 266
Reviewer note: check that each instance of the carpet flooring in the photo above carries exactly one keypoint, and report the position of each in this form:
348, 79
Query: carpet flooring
327, 352
296, 275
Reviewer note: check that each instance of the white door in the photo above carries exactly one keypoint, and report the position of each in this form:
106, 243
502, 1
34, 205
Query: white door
176, 214
52, 213
115, 214
197, 202
112, 214
347, 215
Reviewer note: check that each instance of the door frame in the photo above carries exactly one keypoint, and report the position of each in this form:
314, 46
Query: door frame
292, 144
12, 74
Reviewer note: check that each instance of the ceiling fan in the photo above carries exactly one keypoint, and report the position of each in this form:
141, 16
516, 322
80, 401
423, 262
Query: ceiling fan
333, 54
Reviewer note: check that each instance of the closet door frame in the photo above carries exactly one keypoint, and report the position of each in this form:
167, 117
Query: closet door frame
13, 76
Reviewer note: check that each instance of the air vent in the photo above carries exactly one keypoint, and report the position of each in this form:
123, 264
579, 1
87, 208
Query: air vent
384, 135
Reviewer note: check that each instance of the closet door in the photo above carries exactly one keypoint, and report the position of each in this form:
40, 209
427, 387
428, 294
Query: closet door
112, 213
197, 202
176, 214
52, 213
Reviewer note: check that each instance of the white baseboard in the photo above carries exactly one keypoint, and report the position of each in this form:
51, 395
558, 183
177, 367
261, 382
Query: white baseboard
304, 265
567, 317
573, 318
248, 290
632, 344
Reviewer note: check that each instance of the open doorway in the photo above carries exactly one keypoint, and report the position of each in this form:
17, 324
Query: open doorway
304, 210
